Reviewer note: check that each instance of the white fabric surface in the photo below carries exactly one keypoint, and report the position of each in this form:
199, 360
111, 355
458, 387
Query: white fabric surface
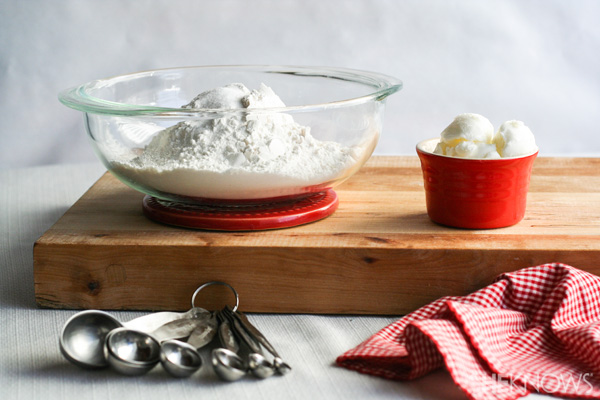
532, 60
31, 366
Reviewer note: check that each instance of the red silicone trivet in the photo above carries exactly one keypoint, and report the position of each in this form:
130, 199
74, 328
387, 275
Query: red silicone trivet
247, 217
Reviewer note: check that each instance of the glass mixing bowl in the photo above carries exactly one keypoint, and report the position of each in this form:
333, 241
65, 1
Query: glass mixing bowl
143, 135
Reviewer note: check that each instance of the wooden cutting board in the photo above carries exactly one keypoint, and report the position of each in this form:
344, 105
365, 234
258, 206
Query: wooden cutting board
378, 254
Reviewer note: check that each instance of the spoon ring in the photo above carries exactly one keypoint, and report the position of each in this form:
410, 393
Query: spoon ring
237, 298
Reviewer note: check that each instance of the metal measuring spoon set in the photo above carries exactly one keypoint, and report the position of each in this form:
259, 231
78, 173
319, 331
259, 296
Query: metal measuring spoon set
96, 339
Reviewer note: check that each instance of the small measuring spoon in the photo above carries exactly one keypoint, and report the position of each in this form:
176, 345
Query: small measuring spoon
228, 365
181, 359
131, 352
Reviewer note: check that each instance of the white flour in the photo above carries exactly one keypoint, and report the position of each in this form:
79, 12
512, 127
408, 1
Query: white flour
240, 156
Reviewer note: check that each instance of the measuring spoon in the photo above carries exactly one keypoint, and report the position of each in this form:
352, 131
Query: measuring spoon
181, 359
131, 352
204, 333
228, 365
81, 340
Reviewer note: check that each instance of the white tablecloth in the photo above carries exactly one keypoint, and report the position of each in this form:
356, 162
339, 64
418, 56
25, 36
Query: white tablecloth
32, 367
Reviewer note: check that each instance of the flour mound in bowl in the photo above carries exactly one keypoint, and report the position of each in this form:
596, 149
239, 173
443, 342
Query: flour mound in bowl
241, 155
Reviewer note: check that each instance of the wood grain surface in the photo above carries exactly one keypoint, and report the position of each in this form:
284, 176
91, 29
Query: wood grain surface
377, 254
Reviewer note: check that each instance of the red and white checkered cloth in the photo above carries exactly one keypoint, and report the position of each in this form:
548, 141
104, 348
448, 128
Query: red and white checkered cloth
535, 330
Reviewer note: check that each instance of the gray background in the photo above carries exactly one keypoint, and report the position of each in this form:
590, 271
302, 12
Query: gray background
533, 60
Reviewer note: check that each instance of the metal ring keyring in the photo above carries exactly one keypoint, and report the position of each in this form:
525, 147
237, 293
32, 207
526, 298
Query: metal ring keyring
237, 298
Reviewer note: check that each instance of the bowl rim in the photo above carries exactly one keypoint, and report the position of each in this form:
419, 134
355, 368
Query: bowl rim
420, 149
78, 97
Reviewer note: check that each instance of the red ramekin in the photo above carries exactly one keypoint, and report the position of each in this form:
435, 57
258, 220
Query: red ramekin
474, 193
